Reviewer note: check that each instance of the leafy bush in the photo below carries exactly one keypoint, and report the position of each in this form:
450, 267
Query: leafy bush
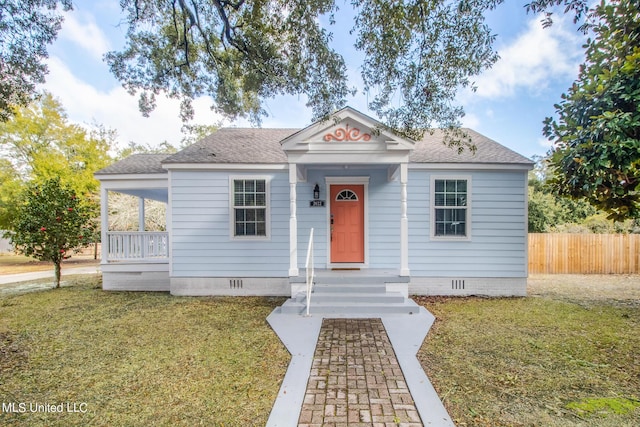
51, 221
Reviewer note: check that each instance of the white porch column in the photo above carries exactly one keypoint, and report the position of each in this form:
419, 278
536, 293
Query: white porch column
140, 213
404, 222
104, 224
293, 221
143, 248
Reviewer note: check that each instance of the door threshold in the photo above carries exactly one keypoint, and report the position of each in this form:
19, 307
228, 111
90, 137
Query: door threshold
345, 269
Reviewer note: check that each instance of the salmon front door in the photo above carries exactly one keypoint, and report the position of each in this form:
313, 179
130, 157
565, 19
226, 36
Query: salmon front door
347, 223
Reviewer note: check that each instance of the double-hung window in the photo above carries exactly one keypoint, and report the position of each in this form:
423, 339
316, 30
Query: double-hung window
451, 207
250, 207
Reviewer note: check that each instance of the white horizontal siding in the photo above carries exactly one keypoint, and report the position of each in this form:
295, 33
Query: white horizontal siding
201, 242
202, 247
497, 247
383, 201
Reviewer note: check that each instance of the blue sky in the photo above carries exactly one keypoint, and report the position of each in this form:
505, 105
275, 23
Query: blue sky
537, 65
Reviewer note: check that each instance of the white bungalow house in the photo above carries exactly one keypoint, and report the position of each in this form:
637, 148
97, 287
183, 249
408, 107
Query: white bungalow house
241, 204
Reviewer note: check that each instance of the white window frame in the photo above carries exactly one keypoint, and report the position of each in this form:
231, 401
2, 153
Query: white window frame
433, 207
232, 208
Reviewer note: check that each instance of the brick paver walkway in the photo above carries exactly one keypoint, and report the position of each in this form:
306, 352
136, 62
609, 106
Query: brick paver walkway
355, 379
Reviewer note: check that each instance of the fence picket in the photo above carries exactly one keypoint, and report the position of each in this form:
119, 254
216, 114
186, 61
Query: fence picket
557, 253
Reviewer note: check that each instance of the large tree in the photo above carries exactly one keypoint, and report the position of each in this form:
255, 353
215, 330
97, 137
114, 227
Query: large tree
42, 144
10, 187
417, 53
596, 135
38, 144
26, 28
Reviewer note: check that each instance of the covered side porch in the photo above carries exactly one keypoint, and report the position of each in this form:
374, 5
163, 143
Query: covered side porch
135, 259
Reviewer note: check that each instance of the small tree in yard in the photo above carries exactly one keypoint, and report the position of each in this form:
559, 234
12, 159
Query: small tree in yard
51, 221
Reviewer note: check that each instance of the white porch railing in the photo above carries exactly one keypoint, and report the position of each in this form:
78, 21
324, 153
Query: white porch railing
309, 269
137, 245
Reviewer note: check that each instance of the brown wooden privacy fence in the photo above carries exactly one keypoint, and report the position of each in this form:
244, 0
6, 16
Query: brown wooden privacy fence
584, 253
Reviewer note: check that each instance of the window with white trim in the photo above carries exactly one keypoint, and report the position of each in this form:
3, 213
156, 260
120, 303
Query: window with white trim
451, 208
250, 207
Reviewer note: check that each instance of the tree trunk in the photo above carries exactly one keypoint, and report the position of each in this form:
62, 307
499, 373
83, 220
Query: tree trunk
57, 273
95, 250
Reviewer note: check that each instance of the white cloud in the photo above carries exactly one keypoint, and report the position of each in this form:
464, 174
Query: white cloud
544, 142
81, 29
471, 121
118, 110
538, 56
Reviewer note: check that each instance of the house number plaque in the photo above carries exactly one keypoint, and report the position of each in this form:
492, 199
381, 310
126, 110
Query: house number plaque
316, 203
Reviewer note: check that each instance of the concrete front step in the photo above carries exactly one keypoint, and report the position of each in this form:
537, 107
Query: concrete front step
348, 298
348, 308
356, 297
351, 277
320, 288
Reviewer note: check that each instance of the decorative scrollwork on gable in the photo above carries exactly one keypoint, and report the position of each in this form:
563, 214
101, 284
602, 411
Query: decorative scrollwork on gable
347, 134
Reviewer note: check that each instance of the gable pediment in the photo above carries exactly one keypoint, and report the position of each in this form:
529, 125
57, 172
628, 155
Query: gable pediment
347, 132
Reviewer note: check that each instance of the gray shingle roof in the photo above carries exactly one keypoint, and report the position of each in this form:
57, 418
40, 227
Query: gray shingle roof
137, 164
262, 146
431, 150
236, 145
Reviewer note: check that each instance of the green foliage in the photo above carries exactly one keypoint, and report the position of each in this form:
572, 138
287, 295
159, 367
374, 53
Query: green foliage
51, 221
421, 52
549, 211
10, 187
26, 28
543, 211
194, 133
39, 144
237, 53
241, 53
135, 148
416, 55
596, 153
603, 406
578, 8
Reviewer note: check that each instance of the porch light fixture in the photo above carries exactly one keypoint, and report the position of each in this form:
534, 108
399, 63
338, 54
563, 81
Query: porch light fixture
316, 192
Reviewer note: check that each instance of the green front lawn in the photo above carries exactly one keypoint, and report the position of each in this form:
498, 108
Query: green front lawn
138, 358
154, 359
536, 361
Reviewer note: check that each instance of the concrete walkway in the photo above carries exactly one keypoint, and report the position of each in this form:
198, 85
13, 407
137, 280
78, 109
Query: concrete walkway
16, 280
352, 348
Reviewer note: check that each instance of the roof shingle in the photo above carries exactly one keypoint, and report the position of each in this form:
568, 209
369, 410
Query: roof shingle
136, 164
236, 145
262, 146
431, 149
